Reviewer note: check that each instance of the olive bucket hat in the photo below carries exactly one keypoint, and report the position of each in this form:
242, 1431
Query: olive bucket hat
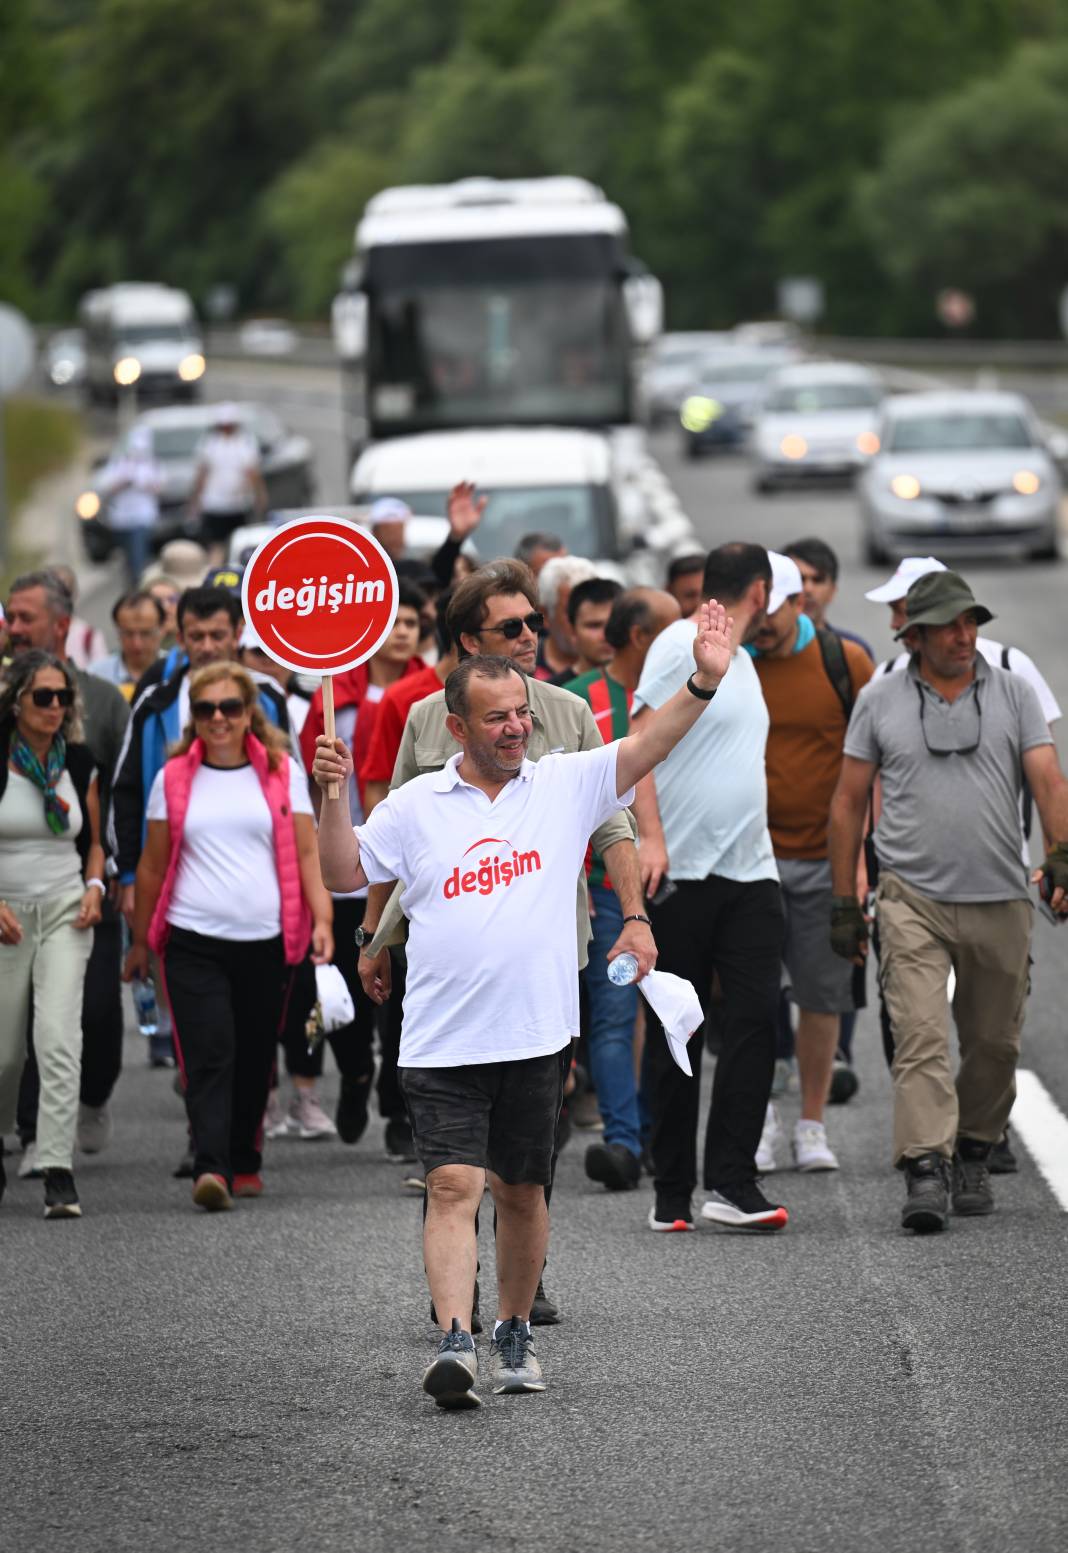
937, 599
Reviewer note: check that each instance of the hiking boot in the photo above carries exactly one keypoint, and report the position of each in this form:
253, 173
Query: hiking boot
1002, 1161
514, 1364
614, 1166
450, 1379
61, 1196
926, 1208
351, 1113
94, 1128
543, 1313
972, 1192
844, 1082
744, 1208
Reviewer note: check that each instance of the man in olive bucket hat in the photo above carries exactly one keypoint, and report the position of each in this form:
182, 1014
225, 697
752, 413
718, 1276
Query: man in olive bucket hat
951, 738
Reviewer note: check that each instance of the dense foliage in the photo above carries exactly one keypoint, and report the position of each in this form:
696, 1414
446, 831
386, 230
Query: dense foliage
890, 150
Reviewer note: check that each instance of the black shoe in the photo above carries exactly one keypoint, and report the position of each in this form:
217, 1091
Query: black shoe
160, 1051
972, 1192
1002, 1161
844, 1082
744, 1207
476, 1319
543, 1313
614, 1166
61, 1196
400, 1145
670, 1218
186, 1168
926, 1209
351, 1115
450, 1379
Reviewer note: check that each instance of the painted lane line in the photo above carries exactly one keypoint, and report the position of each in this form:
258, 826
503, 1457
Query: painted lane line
1043, 1127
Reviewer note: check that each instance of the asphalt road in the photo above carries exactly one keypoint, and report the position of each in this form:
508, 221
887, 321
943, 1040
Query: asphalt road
173, 1381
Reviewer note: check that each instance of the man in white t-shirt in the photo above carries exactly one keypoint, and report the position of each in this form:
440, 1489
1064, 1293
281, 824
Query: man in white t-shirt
706, 818
484, 849
229, 482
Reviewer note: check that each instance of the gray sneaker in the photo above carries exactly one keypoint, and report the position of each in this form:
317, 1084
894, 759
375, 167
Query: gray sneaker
94, 1128
515, 1366
450, 1380
972, 1192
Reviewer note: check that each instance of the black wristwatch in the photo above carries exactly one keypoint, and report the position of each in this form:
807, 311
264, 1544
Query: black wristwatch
702, 695
362, 937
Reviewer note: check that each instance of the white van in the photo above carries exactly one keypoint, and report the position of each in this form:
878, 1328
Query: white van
144, 338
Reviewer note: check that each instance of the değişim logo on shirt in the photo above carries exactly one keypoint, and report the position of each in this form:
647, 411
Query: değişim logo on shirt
490, 873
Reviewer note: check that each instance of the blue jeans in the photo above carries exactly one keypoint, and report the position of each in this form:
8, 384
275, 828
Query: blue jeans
136, 546
611, 1034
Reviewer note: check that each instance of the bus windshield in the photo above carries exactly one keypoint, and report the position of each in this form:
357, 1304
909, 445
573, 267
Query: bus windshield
475, 333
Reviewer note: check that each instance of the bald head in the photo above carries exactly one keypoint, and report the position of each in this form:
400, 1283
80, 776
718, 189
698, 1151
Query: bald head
637, 619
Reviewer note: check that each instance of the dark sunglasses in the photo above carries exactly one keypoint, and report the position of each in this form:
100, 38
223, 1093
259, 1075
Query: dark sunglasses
510, 629
204, 711
945, 734
47, 696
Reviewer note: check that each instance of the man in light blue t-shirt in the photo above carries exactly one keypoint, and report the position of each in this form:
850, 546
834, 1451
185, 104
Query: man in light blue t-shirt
707, 815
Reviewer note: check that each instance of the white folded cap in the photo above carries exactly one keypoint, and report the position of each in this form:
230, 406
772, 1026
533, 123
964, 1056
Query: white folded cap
786, 580
908, 570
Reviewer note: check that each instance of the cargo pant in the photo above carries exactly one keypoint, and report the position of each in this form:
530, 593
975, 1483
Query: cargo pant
49, 967
987, 946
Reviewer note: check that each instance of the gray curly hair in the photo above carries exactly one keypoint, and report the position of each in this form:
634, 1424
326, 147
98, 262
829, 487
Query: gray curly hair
19, 676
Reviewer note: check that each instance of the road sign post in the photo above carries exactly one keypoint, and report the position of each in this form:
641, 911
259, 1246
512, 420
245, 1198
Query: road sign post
321, 596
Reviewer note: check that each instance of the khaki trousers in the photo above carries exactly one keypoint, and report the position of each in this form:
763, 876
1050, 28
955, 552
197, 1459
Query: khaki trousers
49, 965
987, 947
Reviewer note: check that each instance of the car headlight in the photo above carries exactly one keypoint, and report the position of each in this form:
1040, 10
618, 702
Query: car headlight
87, 506
1026, 483
868, 444
698, 412
127, 371
191, 367
907, 487
793, 446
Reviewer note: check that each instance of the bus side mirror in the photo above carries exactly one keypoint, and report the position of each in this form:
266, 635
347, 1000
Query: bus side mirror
643, 298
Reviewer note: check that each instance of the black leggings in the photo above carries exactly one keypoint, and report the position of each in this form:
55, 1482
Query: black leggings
227, 1000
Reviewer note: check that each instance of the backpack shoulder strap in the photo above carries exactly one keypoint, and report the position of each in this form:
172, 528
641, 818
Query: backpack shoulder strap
1005, 664
837, 669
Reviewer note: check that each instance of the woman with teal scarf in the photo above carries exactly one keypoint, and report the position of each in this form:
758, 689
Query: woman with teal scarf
51, 888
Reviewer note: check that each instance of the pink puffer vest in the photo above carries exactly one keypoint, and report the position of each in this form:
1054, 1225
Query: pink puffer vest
178, 776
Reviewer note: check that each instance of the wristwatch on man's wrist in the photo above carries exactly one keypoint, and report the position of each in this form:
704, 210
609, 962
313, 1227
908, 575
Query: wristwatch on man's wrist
363, 937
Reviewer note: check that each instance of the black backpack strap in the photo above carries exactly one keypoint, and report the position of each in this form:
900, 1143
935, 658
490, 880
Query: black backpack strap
837, 669
1027, 797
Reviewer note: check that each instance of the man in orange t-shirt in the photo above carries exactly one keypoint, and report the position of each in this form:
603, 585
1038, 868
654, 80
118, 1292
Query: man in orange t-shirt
809, 687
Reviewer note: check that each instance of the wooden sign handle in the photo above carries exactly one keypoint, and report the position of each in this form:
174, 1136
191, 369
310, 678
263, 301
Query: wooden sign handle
329, 728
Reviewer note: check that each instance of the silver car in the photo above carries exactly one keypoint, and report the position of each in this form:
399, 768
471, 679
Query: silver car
817, 423
963, 473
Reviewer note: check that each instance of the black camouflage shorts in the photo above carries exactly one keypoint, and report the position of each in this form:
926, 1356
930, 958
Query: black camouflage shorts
498, 1116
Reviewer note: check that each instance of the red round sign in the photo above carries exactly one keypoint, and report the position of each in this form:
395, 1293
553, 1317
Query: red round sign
321, 595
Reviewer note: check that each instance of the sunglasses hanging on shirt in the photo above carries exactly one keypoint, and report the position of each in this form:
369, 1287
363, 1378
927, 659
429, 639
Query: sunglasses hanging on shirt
951, 728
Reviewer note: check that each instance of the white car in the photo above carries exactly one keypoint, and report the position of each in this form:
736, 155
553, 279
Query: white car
817, 422
600, 492
267, 337
960, 473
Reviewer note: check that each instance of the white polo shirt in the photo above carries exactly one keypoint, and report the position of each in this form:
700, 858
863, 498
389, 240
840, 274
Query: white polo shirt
489, 893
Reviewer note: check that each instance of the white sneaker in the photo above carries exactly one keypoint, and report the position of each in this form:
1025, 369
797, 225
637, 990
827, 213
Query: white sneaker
94, 1128
772, 1134
307, 1119
28, 1166
811, 1149
275, 1120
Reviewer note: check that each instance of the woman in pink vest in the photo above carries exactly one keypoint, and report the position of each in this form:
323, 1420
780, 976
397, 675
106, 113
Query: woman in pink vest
228, 894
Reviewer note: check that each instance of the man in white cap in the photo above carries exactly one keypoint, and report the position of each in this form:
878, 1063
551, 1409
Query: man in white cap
810, 678
229, 481
705, 806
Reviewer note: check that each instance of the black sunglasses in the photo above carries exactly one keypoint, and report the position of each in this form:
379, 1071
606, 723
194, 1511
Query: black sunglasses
510, 629
46, 696
204, 711
943, 736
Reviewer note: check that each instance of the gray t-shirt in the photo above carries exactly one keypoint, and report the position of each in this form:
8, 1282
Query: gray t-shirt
950, 824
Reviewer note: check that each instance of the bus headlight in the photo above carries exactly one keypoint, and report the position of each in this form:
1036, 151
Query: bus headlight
191, 367
127, 371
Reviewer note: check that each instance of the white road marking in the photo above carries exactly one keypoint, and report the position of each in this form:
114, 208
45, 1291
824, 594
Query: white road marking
1043, 1128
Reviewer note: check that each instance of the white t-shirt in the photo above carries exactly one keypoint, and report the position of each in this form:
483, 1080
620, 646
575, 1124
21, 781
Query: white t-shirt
229, 459
489, 892
227, 881
132, 484
1018, 663
712, 789
34, 862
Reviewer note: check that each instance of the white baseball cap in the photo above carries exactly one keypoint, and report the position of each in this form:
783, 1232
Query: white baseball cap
389, 509
226, 414
786, 580
908, 570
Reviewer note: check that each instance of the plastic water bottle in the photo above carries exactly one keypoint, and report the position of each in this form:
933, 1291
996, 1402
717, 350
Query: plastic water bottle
623, 969
144, 996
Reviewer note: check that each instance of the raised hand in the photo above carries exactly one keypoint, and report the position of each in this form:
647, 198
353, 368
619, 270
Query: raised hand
712, 646
464, 511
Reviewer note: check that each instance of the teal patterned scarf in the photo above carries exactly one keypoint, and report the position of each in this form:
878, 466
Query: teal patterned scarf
24, 761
